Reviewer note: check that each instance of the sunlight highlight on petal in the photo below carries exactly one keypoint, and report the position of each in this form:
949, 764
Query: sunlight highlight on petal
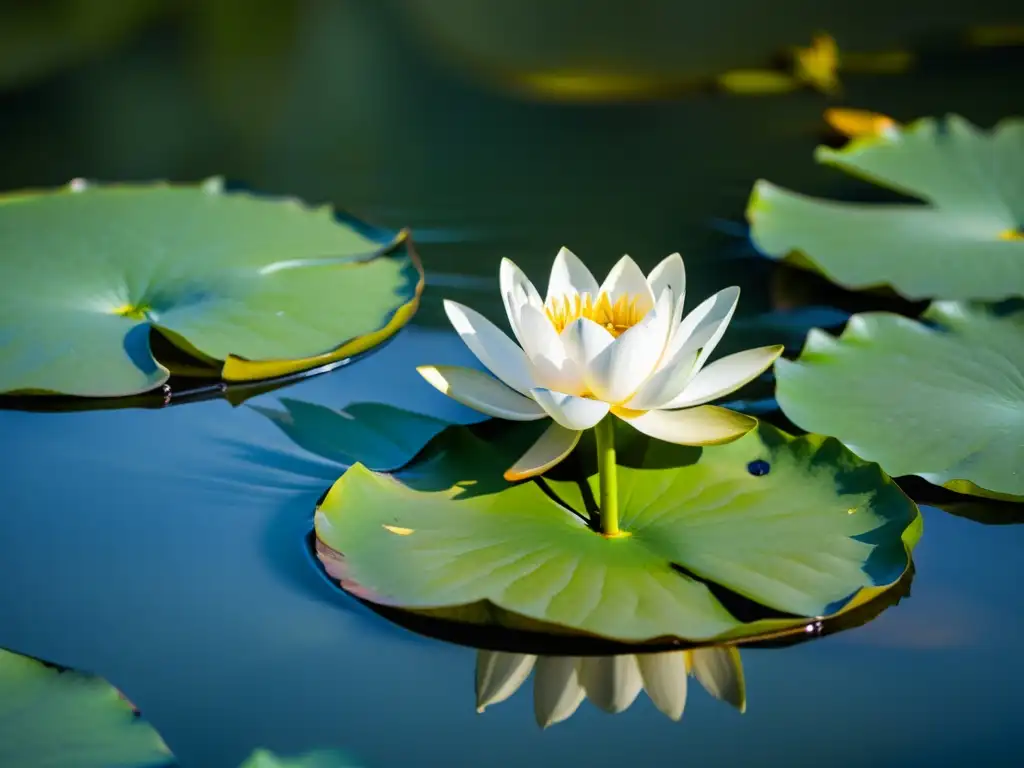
554, 445
481, 392
499, 354
703, 425
570, 411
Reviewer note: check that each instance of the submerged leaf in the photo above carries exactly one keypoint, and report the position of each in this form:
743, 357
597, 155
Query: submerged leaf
64, 719
263, 758
380, 436
265, 287
817, 532
966, 243
945, 402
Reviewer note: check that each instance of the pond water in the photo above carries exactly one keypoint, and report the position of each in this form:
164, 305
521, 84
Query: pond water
164, 549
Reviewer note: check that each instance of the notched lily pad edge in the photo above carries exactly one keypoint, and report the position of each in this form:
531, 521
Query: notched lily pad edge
235, 373
961, 486
831, 157
507, 626
486, 626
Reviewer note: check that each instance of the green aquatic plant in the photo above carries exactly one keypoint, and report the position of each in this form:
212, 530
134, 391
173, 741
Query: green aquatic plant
64, 719
942, 399
799, 525
965, 242
588, 351
55, 718
253, 287
671, 511
561, 683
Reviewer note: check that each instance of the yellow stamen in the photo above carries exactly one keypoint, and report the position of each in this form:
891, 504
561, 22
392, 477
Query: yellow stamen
397, 530
1012, 234
132, 311
616, 318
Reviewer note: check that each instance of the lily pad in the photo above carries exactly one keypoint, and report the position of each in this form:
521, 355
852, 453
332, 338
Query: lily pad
942, 399
55, 718
798, 525
256, 286
965, 242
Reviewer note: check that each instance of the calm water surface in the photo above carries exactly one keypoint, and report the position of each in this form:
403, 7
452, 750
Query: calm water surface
163, 549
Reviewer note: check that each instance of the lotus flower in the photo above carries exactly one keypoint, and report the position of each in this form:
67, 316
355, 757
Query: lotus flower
611, 682
587, 350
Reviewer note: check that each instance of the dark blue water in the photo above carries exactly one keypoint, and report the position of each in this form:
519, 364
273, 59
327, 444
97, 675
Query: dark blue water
164, 549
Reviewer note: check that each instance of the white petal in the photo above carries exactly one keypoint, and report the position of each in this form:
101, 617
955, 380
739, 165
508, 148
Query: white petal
492, 347
611, 682
626, 279
550, 366
616, 372
556, 690
499, 675
584, 340
570, 411
551, 447
704, 327
664, 677
667, 382
516, 291
481, 392
703, 425
569, 277
720, 671
670, 273
726, 375
688, 347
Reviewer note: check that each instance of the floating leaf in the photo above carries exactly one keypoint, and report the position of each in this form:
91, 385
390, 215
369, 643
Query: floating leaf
966, 243
945, 403
818, 532
63, 719
269, 287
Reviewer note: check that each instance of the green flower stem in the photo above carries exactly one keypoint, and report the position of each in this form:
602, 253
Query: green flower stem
604, 431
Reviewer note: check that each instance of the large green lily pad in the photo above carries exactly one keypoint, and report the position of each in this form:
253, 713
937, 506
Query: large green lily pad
966, 242
256, 286
63, 719
943, 400
817, 533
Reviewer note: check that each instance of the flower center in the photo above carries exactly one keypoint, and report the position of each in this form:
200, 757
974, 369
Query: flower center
1012, 234
616, 318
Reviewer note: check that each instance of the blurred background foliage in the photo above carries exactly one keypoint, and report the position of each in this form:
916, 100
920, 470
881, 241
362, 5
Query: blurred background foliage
491, 128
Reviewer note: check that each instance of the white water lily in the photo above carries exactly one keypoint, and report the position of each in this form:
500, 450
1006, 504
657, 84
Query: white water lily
586, 350
610, 682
